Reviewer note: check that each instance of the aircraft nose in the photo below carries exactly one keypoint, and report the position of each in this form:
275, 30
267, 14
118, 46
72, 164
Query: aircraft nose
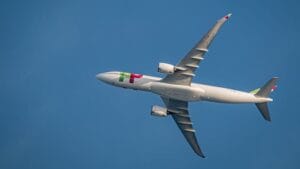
101, 76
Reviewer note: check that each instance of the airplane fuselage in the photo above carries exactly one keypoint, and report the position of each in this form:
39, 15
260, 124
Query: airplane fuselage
194, 92
177, 90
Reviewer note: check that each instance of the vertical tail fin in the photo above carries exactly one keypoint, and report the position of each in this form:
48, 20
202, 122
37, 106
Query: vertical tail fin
267, 88
265, 91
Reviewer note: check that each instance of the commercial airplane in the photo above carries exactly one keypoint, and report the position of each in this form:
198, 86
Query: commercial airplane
176, 88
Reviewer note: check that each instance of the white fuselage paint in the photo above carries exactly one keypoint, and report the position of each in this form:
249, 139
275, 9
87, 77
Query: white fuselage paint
194, 92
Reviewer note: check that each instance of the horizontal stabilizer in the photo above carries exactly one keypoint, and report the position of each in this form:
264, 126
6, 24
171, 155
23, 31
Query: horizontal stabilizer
264, 110
265, 92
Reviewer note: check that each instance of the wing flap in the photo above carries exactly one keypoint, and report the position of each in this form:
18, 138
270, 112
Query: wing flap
179, 111
194, 57
186, 127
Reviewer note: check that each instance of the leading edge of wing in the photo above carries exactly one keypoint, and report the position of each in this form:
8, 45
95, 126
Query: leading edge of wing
194, 57
180, 114
189, 133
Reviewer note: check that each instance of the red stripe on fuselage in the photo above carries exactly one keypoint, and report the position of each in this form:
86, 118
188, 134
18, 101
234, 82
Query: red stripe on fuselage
133, 76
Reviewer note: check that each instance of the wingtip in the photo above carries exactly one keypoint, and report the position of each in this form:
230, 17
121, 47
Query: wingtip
228, 16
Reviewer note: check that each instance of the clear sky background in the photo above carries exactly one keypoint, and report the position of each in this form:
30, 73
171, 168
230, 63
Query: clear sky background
54, 113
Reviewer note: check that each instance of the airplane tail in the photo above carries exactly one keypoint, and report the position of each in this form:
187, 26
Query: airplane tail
264, 92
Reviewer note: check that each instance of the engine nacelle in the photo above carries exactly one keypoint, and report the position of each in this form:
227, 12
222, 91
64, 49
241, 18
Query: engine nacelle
159, 111
166, 68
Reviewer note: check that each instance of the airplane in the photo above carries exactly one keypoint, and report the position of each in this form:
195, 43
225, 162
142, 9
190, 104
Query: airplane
177, 90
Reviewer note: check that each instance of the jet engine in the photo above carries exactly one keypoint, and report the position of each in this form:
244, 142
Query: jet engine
166, 68
159, 111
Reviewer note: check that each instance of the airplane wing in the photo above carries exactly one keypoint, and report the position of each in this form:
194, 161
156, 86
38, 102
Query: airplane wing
179, 111
187, 66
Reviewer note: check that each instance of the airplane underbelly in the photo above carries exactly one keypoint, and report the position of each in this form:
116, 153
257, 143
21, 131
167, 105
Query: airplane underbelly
178, 92
228, 96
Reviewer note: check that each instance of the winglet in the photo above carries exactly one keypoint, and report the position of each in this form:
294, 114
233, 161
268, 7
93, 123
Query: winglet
228, 16
225, 18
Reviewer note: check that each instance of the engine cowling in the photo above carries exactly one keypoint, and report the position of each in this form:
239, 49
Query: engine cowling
166, 68
159, 111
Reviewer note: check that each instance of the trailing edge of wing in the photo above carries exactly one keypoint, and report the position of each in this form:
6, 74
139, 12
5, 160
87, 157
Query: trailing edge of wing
193, 58
179, 112
185, 125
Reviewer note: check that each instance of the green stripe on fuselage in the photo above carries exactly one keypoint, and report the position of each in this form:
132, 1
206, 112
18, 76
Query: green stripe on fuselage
255, 91
123, 75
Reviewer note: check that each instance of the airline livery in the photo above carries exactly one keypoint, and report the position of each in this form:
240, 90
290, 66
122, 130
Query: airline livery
176, 88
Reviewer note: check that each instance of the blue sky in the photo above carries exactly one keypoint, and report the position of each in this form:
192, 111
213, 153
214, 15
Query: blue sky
55, 114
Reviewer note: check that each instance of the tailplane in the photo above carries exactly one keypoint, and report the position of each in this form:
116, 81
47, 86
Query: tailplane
264, 110
265, 91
